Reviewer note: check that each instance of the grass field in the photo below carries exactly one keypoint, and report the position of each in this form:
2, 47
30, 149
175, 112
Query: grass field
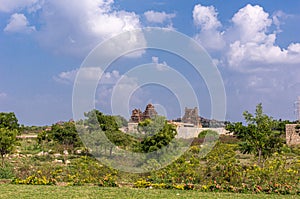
27, 191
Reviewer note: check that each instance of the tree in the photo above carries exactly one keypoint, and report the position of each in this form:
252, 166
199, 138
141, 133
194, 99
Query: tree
260, 136
103, 126
151, 126
7, 141
160, 139
65, 134
9, 121
121, 121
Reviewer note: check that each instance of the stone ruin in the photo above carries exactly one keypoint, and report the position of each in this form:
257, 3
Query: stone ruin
292, 134
191, 116
137, 115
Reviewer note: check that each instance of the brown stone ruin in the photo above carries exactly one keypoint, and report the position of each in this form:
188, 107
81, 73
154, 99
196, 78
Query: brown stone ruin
191, 116
292, 134
137, 115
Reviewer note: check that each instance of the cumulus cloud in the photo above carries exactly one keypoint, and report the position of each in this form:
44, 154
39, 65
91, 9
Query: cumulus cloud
77, 27
249, 43
158, 17
72, 27
260, 69
205, 18
253, 44
251, 23
18, 23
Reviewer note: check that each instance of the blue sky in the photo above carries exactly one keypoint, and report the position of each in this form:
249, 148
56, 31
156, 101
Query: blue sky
255, 45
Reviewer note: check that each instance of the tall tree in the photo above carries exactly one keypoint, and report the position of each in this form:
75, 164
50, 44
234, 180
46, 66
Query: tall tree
9, 121
7, 141
260, 136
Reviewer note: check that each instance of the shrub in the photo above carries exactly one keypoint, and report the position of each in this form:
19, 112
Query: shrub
36, 179
6, 172
208, 134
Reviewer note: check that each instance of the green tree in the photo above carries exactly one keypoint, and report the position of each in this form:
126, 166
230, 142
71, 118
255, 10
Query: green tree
260, 136
65, 134
7, 141
121, 121
9, 121
98, 123
160, 139
151, 126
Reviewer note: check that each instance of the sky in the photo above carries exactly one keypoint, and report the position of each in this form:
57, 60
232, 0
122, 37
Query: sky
255, 45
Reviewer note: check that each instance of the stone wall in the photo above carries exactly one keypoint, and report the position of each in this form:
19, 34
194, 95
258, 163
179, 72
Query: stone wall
193, 132
292, 136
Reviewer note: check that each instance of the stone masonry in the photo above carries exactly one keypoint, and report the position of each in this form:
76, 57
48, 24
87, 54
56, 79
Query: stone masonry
137, 115
292, 134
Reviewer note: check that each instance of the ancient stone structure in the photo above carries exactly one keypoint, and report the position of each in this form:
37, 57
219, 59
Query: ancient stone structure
137, 115
191, 116
292, 134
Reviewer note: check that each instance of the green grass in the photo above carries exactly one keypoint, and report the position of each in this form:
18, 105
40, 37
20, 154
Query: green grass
32, 192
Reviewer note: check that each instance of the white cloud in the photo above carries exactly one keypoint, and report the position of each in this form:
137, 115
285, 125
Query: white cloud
206, 19
76, 28
160, 66
249, 44
91, 74
277, 19
252, 45
251, 23
12, 5
67, 77
19, 23
158, 17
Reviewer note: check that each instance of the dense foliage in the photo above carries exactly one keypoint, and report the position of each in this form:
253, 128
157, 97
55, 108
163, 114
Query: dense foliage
260, 137
8, 131
9, 121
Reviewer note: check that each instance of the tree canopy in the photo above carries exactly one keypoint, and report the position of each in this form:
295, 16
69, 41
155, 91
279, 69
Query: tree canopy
65, 134
98, 123
9, 121
260, 137
160, 139
7, 141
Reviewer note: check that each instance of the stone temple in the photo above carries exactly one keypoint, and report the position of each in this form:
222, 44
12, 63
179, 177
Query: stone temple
137, 115
191, 116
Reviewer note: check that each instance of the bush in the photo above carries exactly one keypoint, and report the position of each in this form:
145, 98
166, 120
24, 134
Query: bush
36, 179
6, 172
209, 133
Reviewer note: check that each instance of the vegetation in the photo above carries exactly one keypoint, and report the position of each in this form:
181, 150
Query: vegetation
9, 121
231, 166
260, 136
8, 131
208, 134
14, 191
160, 139
7, 141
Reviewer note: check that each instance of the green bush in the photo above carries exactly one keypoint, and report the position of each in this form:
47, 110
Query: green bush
6, 172
209, 133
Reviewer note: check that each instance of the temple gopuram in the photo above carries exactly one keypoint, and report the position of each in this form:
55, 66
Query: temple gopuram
137, 115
